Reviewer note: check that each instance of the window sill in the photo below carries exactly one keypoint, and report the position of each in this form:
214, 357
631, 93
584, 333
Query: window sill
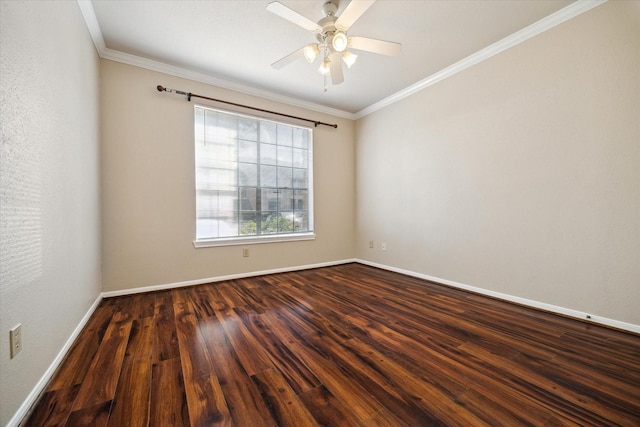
231, 241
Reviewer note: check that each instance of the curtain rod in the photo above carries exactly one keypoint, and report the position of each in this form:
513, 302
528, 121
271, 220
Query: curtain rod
190, 95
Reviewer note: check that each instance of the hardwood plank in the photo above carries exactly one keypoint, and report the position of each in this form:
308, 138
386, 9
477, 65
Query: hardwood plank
418, 402
131, 401
95, 415
437, 365
53, 408
250, 353
215, 300
205, 399
297, 374
230, 297
493, 413
99, 385
328, 410
77, 362
252, 296
358, 398
168, 403
198, 297
140, 343
165, 340
240, 392
285, 407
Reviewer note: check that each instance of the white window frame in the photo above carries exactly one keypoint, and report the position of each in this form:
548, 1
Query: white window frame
264, 238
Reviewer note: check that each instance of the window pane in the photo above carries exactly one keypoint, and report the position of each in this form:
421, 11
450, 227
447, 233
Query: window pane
300, 200
285, 156
300, 178
285, 200
285, 222
299, 158
210, 123
227, 199
248, 151
248, 129
227, 152
207, 228
267, 154
285, 176
301, 221
207, 205
248, 199
269, 199
227, 126
269, 223
248, 224
285, 135
268, 176
248, 174
210, 178
301, 138
228, 224
199, 127
268, 132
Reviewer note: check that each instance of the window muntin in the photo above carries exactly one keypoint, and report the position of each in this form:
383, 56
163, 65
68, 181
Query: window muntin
253, 178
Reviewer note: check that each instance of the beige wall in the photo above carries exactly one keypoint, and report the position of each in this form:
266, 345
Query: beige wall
49, 187
148, 191
520, 175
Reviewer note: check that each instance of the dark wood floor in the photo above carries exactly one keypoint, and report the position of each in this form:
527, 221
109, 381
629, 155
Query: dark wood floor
345, 345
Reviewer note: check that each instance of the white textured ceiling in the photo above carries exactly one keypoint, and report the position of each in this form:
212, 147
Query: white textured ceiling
235, 41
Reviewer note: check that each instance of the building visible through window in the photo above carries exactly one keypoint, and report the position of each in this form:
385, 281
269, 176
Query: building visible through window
253, 176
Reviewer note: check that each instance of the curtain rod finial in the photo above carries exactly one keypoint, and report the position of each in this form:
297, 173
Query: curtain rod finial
160, 88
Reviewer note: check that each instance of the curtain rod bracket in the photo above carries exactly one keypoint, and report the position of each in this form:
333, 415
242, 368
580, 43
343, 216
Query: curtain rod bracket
190, 95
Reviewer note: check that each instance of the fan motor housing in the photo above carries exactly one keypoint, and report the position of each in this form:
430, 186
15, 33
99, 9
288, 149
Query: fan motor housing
328, 23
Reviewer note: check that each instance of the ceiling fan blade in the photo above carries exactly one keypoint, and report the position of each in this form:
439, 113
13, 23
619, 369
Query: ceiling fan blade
335, 69
353, 11
293, 56
373, 45
294, 17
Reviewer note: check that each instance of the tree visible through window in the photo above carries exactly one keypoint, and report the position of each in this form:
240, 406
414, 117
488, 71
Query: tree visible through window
253, 176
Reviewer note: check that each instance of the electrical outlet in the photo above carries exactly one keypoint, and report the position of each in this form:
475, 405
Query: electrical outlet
15, 340
371, 244
245, 252
383, 246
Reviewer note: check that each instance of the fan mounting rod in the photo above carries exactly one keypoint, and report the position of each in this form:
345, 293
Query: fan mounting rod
329, 8
328, 23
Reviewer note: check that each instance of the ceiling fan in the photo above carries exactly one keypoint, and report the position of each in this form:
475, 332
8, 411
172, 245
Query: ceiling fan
331, 33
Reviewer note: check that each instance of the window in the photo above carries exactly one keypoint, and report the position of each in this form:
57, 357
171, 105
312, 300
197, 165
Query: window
253, 179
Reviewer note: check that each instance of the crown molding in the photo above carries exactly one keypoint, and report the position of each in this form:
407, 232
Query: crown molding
569, 12
197, 76
564, 14
89, 15
86, 7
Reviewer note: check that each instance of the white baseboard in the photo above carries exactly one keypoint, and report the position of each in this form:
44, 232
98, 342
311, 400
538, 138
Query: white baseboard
222, 278
506, 297
40, 386
523, 301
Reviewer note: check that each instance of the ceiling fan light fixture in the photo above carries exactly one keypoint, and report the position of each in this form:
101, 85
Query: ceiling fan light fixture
349, 58
311, 51
325, 67
339, 41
